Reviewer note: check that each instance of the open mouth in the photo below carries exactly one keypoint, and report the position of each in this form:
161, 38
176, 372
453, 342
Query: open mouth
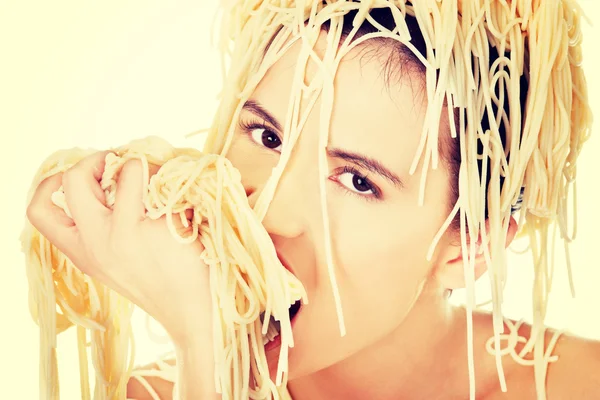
275, 327
272, 337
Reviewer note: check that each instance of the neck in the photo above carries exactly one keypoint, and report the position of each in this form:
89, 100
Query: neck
419, 360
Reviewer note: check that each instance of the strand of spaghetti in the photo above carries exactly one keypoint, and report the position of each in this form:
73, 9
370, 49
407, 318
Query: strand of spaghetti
83, 363
326, 110
451, 217
146, 385
268, 192
170, 193
470, 290
536, 41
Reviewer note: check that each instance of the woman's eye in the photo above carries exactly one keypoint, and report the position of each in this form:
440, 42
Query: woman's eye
356, 183
265, 137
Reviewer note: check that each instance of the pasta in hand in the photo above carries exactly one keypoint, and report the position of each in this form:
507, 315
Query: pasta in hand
202, 195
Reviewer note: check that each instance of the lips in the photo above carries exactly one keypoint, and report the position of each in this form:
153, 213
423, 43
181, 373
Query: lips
295, 307
285, 264
272, 338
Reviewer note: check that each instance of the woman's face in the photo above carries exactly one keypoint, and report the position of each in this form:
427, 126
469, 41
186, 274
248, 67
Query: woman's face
380, 235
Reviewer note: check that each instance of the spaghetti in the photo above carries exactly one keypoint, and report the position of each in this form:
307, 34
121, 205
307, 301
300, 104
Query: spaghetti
539, 41
250, 288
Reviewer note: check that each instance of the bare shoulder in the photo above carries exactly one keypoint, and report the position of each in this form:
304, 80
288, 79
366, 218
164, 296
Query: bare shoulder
577, 370
150, 387
575, 375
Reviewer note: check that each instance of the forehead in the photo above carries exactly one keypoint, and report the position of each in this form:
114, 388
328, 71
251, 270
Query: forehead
368, 109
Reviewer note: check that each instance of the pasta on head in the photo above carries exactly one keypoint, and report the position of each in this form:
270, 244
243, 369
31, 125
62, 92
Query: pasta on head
516, 157
250, 288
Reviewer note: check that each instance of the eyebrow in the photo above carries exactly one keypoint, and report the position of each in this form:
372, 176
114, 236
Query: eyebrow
365, 162
257, 109
368, 163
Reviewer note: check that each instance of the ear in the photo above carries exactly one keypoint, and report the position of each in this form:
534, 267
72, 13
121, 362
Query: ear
450, 272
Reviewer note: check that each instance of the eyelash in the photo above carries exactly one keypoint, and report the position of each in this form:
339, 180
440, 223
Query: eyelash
249, 126
349, 169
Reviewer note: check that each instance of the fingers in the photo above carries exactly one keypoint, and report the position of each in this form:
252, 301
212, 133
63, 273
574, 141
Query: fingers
42, 212
132, 184
51, 221
129, 207
85, 196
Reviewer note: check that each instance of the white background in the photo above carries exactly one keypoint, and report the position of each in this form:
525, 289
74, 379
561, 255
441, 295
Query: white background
98, 74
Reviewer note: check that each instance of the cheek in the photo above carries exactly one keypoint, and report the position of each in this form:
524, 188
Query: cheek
396, 245
254, 166
235, 154
384, 265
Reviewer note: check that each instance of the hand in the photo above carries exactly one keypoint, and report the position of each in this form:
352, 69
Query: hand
122, 249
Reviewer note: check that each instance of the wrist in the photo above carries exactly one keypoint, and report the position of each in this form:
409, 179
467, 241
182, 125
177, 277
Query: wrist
196, 369
191, 325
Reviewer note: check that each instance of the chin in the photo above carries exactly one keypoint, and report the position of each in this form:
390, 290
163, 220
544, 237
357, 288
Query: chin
302, 362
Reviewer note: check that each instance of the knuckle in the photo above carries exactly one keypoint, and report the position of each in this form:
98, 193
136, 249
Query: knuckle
38, 207
134, 162
34, 213
83, 168
133, 166
52, 180
68, 177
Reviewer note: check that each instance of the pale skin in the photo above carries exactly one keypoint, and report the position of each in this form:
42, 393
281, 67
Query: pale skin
404, 339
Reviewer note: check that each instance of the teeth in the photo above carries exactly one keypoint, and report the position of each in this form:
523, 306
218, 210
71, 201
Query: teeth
272, 331
274, 327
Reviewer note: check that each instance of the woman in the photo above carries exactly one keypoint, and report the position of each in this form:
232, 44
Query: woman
404, 339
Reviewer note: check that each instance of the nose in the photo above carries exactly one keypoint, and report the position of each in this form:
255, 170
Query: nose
287, 213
